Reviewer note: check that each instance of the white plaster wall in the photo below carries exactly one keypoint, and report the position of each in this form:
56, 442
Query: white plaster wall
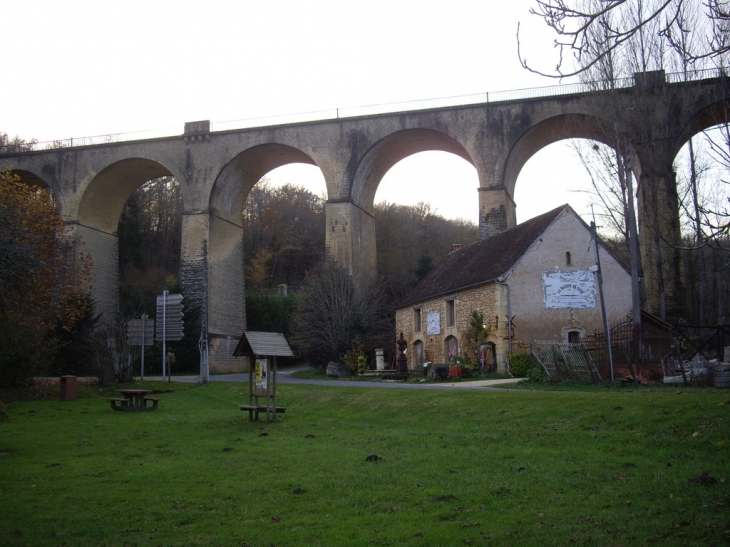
532, 320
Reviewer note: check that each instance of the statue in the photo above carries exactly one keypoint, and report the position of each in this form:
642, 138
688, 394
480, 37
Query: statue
402, 361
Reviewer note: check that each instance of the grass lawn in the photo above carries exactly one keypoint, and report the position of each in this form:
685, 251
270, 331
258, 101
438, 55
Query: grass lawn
613, 467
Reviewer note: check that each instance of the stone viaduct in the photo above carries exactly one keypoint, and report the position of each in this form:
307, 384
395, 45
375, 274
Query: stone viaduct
216, 171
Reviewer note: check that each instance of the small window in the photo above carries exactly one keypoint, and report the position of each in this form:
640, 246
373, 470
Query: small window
450, 313
417, 320
568, 259
574, 337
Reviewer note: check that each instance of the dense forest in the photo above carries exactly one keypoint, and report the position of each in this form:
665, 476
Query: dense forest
284, 238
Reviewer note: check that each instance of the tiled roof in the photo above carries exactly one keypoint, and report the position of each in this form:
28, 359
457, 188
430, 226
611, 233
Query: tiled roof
482, 261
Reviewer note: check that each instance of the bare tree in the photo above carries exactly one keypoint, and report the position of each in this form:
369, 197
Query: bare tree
334, 315
614, 23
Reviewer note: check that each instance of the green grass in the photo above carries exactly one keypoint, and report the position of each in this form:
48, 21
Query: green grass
458, 468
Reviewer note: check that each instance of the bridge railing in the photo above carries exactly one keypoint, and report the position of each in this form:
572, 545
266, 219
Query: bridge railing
369, 110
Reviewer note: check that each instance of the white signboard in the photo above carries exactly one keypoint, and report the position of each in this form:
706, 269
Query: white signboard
433, 322
575, 289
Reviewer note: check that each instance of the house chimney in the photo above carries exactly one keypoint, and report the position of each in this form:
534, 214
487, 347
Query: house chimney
455, 247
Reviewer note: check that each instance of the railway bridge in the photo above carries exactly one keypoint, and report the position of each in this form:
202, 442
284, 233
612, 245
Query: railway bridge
655, 114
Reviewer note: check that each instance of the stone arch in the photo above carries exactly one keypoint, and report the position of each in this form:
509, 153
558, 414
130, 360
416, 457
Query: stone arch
104, 197
31, 178
547, 132
392, 149
238, 177
223, 227
97, 219
716, 113
451, 349
419, 355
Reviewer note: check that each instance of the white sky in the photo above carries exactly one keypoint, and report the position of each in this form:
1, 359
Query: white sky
80, 68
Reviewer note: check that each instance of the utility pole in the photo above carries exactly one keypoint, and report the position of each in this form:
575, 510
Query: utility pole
599, 275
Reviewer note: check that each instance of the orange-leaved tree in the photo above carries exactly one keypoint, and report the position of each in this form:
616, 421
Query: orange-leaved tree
44, 279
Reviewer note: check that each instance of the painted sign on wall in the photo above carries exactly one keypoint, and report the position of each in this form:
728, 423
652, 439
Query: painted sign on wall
576, 289
433, 321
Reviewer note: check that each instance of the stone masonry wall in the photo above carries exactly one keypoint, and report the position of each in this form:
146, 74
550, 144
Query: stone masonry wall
104, 251
226, 295
482, 299
226, 292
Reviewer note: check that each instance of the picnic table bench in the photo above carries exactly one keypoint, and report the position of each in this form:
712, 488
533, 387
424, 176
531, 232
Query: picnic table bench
260, 408
134, 400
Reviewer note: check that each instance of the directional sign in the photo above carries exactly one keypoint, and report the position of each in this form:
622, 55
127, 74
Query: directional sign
172, 299
171, 311
135, 332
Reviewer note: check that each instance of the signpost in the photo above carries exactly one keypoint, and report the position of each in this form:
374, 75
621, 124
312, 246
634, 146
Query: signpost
141, 332
170, 308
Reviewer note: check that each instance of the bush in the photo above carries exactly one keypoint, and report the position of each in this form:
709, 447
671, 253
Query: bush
538, 375
469, 369
519, 365
270, 313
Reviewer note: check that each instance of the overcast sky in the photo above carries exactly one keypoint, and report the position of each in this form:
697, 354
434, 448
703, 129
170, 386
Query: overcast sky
83, 68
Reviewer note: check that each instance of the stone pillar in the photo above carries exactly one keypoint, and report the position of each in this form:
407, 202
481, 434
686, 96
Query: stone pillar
659, 238
226, 294
496, 211
104, 250
379, 359
350, 240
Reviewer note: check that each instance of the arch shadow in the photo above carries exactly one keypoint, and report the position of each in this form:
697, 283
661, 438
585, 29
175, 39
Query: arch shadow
707, 117
105, 196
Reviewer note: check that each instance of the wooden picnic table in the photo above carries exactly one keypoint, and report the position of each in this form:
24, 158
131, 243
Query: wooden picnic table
134, 400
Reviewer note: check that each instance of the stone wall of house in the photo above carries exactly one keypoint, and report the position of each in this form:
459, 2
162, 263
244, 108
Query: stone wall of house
482, 299
523, 295
567, 234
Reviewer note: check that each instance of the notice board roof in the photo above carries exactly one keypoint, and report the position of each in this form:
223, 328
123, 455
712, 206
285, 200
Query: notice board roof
264, 344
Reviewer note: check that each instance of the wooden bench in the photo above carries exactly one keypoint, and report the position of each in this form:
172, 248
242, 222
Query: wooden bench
260, 408
155, 401
119, 404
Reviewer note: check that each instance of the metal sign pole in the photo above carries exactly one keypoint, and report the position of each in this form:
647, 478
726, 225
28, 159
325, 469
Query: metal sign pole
144, 326
203, 345
164, 329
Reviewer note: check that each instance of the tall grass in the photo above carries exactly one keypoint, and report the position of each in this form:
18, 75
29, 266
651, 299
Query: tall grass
448, 468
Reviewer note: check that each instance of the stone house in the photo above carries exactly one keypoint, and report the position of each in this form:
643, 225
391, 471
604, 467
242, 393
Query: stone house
541, 273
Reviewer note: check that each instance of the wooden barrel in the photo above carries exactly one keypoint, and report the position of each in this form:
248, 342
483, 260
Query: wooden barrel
722, 376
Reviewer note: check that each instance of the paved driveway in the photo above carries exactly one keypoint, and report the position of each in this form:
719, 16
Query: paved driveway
284, 376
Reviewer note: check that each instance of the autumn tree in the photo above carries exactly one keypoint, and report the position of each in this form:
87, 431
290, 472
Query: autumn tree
150, 234
44, 280
283, 234
413, 238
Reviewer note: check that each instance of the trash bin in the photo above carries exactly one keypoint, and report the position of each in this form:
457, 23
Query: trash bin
68, 388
